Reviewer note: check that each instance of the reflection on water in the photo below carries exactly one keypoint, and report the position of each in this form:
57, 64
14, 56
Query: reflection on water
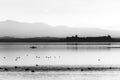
59, 54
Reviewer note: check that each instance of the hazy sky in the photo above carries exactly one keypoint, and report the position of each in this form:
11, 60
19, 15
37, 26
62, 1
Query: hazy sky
75, 13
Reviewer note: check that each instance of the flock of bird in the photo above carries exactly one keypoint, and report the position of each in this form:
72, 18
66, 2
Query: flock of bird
27, 55
47, 57
27, 69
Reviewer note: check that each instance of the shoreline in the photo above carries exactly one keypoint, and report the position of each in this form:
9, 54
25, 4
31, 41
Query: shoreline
56, 68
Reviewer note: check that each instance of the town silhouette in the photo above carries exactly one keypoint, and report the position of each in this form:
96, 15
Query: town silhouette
75, 38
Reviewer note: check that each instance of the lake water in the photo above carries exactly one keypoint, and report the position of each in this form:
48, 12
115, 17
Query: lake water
60, 54
60, 75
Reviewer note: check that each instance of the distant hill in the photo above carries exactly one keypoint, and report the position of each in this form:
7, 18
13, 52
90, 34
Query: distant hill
21, 29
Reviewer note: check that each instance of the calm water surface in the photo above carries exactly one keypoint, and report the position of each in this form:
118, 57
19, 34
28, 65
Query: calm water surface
59, 54
14, 54
60, 75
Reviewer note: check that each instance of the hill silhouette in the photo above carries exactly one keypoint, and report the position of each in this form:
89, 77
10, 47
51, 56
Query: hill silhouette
26, 30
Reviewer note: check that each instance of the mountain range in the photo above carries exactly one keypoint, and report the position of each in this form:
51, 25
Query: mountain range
21, 29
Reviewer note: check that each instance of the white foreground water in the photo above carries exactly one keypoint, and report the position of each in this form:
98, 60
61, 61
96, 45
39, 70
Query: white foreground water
97, 75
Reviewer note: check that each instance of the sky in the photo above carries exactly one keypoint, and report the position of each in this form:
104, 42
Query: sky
103, 14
